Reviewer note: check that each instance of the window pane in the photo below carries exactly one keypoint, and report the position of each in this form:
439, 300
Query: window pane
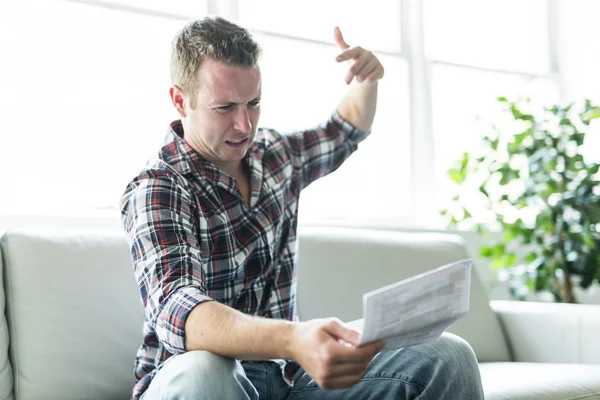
375, 26
464, 105
506, 34
375, 182
580, 51
580, 60
83, 106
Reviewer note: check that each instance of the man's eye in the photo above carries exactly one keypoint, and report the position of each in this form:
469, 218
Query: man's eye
254, 104
226, 108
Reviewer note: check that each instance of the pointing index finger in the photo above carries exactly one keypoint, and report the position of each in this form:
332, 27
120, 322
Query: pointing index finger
339, 38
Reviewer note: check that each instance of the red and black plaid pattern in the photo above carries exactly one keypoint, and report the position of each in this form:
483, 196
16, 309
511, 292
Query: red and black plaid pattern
194, 239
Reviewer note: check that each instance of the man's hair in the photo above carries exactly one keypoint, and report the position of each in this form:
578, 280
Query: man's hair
214, 38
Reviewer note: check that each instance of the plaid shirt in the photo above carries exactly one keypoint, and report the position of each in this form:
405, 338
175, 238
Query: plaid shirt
194, 239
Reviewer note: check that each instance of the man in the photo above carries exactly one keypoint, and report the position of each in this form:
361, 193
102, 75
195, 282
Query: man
212, 226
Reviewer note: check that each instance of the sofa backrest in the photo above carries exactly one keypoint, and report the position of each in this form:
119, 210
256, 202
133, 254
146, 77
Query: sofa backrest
6, 377
74, 315
333, 260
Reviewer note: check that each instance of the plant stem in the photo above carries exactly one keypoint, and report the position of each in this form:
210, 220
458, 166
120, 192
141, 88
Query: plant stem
567, 284
568, 287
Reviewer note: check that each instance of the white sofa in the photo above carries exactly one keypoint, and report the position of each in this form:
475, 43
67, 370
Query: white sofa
73, 317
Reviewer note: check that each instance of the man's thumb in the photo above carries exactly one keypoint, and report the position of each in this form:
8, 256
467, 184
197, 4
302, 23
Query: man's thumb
338, 330
339, 38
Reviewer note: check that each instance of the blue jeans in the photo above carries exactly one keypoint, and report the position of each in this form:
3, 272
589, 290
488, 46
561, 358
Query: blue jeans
446, 369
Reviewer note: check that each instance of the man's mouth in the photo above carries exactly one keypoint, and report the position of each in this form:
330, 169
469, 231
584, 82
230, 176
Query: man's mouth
236, 143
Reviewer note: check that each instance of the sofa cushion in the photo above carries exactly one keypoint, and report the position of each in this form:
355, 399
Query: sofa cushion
550, 332
74, 315
6, 378
533, 381
333, 259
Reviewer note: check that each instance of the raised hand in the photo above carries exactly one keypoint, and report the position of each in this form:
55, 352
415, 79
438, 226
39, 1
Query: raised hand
332, 364
366, 67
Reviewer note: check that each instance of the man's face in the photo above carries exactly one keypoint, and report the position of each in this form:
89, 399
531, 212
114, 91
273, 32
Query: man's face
222, 126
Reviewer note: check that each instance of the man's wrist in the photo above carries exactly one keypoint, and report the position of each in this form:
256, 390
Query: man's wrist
288, 340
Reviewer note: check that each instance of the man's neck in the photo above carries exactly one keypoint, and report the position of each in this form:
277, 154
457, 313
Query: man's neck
241, 176
232, 169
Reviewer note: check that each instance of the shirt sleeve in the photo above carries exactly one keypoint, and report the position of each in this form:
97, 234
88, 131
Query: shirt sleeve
317, 152
158, 217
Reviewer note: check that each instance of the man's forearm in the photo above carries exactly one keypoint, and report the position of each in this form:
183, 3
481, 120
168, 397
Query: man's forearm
358, 106
222, 330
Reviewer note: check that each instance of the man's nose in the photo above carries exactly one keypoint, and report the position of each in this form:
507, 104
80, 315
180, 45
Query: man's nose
242, 121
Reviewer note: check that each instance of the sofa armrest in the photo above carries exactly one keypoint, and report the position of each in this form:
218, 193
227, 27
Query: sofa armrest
551, 332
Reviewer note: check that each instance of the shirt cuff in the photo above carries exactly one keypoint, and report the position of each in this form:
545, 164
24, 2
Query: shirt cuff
347, 128
170, 325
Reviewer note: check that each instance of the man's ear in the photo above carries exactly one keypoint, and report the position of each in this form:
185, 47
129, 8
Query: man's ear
176, 94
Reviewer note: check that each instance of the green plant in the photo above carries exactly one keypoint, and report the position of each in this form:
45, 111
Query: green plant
533, 184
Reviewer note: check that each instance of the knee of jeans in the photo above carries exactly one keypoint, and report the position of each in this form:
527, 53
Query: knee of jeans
201, 374
457, 352
207, 366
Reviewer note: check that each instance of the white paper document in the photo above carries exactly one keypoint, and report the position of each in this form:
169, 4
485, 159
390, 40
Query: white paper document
418, 309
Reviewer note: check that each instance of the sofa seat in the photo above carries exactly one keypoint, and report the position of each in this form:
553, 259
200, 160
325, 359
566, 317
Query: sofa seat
534, 381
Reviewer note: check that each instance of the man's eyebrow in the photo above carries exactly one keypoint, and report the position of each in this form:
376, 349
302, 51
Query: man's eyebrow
223, 103
231, 103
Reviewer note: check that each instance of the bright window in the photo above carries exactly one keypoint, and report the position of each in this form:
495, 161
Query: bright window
84, 102
507, 34
374, 26
580, 47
